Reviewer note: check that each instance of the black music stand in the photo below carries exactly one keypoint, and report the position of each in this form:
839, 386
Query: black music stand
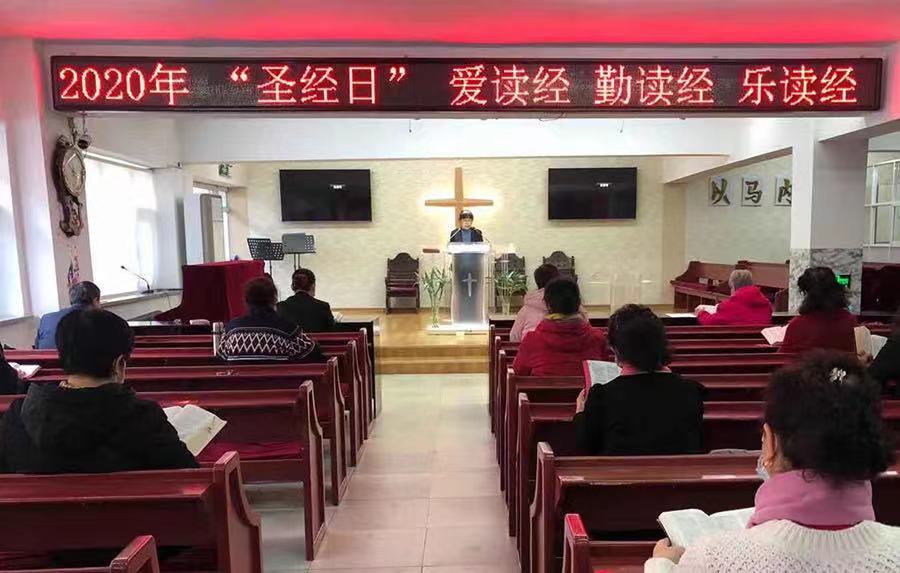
298, 244
266, 250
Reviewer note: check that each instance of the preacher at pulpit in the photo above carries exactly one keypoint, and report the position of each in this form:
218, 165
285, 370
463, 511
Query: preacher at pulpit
465, 232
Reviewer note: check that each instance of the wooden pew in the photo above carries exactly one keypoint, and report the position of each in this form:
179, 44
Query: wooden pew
701, 283
202, 508
328, 400
139, 556
625, 495
583, 555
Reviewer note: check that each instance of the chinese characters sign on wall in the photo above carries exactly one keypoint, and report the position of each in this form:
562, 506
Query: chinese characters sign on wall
419, 85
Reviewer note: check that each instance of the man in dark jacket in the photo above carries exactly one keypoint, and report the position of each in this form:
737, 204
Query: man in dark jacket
304, 309
466, 232
90, 423
82, 295
262, 334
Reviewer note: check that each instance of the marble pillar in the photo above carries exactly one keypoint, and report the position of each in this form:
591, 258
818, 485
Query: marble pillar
841, 261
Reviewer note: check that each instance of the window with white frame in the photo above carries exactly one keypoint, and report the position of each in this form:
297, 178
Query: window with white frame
11, 300
883, 204
121, 210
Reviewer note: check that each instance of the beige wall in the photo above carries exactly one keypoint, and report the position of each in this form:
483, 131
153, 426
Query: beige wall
729, 234
351, 257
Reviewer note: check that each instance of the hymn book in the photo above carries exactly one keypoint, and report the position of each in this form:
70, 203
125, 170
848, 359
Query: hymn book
774, 334
868, 342
25, 371
686, 527
708, 308
599, 372
196, 427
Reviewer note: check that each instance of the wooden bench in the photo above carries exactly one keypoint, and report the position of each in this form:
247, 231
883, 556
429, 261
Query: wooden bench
328, 400
623, 496
139, 556
701, 283
581, 554
198, 508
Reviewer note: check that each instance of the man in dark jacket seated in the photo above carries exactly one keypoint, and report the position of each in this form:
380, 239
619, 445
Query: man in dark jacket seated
81, 296
304, 309
91, 422
263, 335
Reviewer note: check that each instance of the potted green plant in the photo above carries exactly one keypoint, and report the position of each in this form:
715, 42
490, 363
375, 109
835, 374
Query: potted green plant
434, 281
508, 284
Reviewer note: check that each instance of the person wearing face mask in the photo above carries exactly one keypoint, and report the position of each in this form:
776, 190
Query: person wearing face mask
823, 442
91, 422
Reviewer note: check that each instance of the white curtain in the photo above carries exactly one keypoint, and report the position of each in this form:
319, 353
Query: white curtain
121, 209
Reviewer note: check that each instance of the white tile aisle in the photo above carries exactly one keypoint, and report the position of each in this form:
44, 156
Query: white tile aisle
425, 497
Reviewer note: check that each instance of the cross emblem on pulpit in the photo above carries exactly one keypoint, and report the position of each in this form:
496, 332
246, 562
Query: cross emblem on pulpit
469, 281
459, 200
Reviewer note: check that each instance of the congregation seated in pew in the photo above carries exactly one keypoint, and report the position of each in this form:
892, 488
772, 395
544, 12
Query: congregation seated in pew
82, 295
534, 309
91, 422
563, 340
262, 334
647, 409
303, 308
824, 321
747, 304
823, 442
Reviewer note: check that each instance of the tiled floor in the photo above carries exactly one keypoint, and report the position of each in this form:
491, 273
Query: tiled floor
424, 499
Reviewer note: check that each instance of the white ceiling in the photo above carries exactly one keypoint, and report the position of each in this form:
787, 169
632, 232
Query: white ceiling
459, 21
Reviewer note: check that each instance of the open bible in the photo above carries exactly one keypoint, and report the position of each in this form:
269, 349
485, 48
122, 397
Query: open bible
774, 334
868, 342
686, 527
196, 427
599, 372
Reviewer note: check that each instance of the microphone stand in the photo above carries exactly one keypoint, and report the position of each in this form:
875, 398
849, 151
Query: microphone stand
149, 290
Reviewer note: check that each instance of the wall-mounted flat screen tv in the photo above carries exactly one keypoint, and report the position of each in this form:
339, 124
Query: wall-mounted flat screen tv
593, 193
326, 195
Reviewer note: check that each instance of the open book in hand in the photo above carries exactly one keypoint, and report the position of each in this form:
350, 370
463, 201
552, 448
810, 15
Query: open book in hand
25, 371
686, 527
196, 427
599, 372
868, 342
707, 308
774, 334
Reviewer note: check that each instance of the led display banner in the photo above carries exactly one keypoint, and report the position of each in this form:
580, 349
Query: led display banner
470, 85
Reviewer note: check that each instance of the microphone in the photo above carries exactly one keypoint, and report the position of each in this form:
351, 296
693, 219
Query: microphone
454, 233
149, 290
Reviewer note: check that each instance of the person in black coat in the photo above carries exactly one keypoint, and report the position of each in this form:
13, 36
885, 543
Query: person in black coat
886, 366
304, 309
91, 422
466, 233
646, 410
262, 334
9, 378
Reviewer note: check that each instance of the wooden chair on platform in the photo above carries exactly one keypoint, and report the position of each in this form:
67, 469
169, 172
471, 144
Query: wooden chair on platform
564, 263
402, 280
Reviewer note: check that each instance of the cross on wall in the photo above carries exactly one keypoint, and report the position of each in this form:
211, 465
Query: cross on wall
459, 200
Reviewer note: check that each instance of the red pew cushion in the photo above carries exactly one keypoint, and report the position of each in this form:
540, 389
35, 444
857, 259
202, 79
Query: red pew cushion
252, 451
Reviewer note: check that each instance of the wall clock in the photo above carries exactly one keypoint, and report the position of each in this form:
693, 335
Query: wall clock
69, 177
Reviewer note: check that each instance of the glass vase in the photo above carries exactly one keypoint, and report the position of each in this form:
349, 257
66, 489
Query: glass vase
435, 310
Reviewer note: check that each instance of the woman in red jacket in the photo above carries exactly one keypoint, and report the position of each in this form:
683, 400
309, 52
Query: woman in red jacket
747, 305
824, 320
563, 339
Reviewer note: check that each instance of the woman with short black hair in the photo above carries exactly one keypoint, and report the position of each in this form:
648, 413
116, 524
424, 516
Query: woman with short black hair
304, 309
824, 321
823, 442
91, 422
647, 409
262, 334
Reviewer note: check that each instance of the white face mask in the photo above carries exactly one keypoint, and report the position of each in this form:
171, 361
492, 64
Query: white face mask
761, 470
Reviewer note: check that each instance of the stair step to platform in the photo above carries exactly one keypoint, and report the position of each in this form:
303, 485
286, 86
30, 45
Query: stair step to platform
433, 365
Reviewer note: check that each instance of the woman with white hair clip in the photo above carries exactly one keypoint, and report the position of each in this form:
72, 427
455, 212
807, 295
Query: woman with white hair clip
747, 305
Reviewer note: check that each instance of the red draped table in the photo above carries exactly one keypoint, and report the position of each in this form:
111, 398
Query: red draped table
214, 291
